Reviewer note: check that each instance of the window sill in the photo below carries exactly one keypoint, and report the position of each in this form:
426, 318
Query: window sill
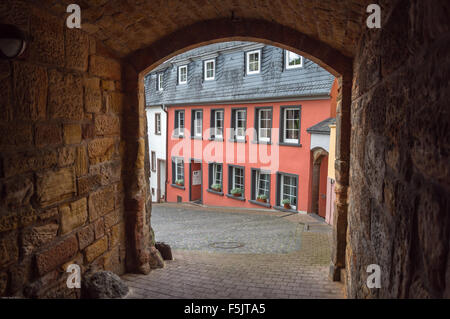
178, 136
241, 198
196, 138
281, 208
177, 186
233, 140
215, 139
290, 144
259, 203
212, 191
262, 142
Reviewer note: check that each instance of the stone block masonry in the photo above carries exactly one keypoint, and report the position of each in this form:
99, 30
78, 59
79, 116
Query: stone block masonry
60, 166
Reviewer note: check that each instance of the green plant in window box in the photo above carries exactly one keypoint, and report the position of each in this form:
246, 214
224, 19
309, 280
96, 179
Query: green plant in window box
261, 198
216, 187
236, 192
286, 203
179, 182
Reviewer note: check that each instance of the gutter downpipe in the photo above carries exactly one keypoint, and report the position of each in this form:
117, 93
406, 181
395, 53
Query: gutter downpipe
164, 109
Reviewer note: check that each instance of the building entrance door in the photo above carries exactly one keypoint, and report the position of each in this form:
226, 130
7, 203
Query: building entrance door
195, 183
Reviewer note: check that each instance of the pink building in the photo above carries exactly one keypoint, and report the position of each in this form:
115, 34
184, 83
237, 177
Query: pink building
237, 128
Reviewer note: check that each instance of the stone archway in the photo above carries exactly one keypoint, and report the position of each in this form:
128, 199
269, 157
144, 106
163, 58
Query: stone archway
142, 61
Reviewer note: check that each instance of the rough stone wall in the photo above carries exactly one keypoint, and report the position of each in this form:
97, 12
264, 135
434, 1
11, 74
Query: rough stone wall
61, 195
399, 173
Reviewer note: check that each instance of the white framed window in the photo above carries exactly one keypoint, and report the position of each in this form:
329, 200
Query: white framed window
288, 190
198, 125
158, 123
179, 123
210, 69
262, 184
293, 60
217, 173
160, 81
291, 125
182, 74
153, 161
264, 125
237, 178
179, 169
218, 124
253, 62
240, 124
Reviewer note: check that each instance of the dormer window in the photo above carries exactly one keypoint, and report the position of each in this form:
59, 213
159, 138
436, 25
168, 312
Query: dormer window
182, 74
253, 62
293, 60
210, 69
160, 82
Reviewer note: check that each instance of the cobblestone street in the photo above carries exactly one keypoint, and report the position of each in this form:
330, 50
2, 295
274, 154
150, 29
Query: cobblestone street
235, 253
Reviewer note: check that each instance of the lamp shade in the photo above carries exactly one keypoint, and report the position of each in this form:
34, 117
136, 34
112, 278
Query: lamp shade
12, 41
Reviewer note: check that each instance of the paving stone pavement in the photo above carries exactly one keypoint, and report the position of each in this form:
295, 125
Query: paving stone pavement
298, 269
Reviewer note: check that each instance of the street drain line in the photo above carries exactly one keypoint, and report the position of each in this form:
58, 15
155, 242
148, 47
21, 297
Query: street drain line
227, 245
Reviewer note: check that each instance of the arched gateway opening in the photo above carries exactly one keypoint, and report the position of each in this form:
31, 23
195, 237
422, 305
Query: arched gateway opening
73, 152
139, 63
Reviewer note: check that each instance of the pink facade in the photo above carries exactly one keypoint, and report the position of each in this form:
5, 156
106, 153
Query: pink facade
290, 159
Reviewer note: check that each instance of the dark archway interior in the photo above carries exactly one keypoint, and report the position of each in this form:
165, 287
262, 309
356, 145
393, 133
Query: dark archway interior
73, 180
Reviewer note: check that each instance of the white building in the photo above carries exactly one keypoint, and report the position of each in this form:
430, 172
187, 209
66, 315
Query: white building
157, 123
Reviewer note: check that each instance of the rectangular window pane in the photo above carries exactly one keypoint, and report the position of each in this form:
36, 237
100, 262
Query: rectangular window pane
157, 123
253, 63
198, 123
262, 184
264, 125
218, 123
292, 125
209, 70
160, 82
179, 167
217, 174
240, 123
289, 189
238, 178
183, 74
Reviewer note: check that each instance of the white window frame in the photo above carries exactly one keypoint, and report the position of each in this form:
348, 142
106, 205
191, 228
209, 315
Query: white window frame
285, 139
179, 169
180, 130
216, 172
234, 179
160, 81
153, 161
236, 122
198, 133
257, 188
206, 70
216, 134
296, 66
248, 62
283, 176
260, 138
158, 123
179, 74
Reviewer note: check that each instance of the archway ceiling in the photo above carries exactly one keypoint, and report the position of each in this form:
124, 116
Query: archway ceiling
128, 25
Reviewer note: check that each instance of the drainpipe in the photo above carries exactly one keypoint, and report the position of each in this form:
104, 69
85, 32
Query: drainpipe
164, 109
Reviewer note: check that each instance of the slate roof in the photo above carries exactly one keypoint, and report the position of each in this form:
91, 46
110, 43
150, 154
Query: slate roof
231, 83
322, 127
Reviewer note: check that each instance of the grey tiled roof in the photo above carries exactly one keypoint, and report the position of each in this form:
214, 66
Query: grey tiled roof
231, 83
322, 127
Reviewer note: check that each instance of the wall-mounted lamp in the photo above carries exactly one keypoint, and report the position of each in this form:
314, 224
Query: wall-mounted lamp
12, 41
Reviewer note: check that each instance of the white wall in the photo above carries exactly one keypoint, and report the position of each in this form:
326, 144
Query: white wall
320, 140
157, 143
